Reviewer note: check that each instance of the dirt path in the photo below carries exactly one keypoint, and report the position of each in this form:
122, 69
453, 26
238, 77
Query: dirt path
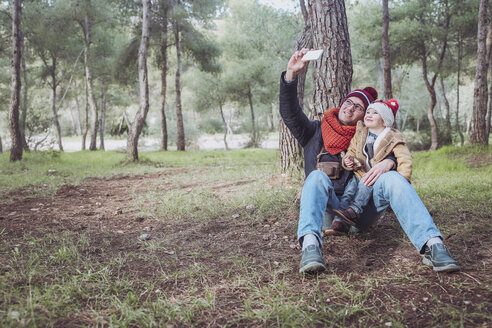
227, 247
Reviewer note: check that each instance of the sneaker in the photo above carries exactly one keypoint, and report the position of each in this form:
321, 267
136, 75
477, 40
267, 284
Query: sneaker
312, 260
337, 228
348, 215
438, 257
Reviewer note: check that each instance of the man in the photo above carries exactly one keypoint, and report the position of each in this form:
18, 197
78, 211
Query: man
324, 142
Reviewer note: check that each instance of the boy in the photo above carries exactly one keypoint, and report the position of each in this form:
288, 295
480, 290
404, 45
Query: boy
374, 141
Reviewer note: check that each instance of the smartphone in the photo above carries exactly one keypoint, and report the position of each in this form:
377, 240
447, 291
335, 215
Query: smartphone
312, 55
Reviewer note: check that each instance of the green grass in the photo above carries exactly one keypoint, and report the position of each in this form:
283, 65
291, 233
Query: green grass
73, 168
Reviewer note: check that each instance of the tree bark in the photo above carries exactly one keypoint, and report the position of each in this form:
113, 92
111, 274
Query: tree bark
103, 116
333, 71
480, 93
225, 126
89, 83
460, 58
72, 119
388, 91
1, 146
53, 105
86, 119
16, 148
430, 85
136, 128
23, 104
254, 134
489, 56
163, 82
79, 119
489, 111
447, 119
179, 113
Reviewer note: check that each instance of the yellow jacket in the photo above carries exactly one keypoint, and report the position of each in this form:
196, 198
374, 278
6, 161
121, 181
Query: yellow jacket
389, 141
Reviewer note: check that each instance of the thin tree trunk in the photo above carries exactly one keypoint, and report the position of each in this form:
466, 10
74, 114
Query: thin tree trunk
478, 134
53, 105
1, 146
72, 119
23, 105
136, 128
89, 83
270, 118
447, 119
225, 126
333, 71
388, 92
16, 148
103, 116
77, 106
163, 82
489, 56
458, 128
179, 113
254, 135
86, 119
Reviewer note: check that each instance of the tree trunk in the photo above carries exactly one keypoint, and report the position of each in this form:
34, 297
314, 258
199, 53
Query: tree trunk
16, 148
225, 126
86, 119
447, 119
179, 113
89, 83
388, 92
270, 117
333, 71
163, 82
103, 116
79, 119
480, 93
290, 151
489, 111
53, 105
138, 123
254, 134
460, 58
430, 85
72, 119
489, 56
23, 104
1, 146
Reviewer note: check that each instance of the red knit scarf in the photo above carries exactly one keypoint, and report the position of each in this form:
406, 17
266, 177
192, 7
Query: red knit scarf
336, 137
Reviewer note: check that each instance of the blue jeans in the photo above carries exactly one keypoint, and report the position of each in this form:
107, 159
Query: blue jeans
391, 189
362, 197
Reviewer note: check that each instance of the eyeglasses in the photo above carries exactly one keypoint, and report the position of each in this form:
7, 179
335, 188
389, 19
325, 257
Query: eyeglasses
358, 108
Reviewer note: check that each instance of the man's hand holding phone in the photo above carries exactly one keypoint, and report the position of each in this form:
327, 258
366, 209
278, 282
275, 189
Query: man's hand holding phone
299, 60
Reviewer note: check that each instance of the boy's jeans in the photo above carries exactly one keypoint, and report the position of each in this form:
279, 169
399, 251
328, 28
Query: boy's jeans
391, 189
362, 196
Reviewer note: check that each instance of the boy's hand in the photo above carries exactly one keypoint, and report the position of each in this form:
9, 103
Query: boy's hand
375, 172
349, 161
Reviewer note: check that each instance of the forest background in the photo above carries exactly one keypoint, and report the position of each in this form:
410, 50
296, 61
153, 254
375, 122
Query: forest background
232, 54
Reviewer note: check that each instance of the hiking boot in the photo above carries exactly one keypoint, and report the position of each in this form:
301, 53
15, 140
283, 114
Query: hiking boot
312, 260
348, 215
337, 228
438, 257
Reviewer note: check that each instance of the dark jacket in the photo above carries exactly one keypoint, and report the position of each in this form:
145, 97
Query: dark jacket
307, 133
